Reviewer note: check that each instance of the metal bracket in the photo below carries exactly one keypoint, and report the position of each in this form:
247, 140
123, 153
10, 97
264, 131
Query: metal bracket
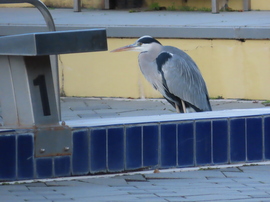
53, 141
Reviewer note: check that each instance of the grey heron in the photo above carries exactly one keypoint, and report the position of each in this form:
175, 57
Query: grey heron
173, 73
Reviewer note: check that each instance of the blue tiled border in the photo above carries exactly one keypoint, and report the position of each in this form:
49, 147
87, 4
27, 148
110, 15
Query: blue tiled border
126, 147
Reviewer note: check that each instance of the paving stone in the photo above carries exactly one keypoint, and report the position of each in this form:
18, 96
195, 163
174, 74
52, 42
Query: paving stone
106, 181
219, 179
245, 200
138, 192
13, 187
33, 198
206, 191
255, 167
233, 169
43, 189
151, 198
21, 192
235, 175
259, 195
36, 184
165, 176
216, 197
129, 178
91, 115
104, 197
168, 193
8, 198
96, 105
125, 188
151, 188
64, 183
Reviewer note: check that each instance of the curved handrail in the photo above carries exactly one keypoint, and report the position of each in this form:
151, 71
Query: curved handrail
41, 7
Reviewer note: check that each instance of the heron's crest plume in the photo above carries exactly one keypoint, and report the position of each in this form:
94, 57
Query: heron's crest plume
147, 39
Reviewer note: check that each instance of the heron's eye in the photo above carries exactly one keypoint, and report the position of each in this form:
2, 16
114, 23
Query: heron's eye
139, 43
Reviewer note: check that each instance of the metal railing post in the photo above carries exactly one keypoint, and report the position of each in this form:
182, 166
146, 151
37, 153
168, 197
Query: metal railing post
215, 6
106, 4
246, 5
77, 5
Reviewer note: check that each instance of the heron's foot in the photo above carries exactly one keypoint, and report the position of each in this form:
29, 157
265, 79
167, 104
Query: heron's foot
184, 106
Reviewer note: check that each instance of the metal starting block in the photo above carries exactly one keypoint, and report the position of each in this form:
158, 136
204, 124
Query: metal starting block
26, 83
29, 82
27, 89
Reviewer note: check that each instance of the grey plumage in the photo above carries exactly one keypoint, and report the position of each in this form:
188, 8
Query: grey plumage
173, 73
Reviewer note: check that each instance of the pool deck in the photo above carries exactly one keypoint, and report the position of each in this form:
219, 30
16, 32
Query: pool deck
237, 183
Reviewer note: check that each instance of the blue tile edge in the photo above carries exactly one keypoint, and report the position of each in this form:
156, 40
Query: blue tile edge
141, 146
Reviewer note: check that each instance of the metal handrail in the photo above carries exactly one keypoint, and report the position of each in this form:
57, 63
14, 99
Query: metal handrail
40, 6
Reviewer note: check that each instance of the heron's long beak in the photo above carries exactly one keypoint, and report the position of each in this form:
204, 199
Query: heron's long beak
125, 48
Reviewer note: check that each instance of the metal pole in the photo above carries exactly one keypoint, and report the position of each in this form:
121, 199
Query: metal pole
77, 6
246, 5
215, 6
106, 4
41, 7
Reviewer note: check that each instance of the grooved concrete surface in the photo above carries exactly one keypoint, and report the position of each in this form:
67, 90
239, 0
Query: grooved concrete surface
109, 18
179, 24
243, 183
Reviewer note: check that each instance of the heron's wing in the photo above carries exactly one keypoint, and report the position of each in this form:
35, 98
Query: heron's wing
184, 80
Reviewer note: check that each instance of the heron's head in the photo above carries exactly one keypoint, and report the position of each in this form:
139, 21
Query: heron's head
143, 44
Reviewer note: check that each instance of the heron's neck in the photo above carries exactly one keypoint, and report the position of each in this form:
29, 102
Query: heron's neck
147, 62
151, 54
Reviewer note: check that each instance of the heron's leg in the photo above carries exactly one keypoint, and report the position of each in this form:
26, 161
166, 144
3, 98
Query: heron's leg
184, 106
177, 108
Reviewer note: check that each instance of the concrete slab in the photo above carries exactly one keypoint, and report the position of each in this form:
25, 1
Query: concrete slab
133, 178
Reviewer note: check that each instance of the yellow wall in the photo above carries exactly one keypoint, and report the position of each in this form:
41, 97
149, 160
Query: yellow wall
177, 3
22, 5
62, 4
69, 3
234, 4
231, 69
260, 4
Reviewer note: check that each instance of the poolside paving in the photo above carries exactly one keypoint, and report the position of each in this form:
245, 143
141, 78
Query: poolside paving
239, 183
